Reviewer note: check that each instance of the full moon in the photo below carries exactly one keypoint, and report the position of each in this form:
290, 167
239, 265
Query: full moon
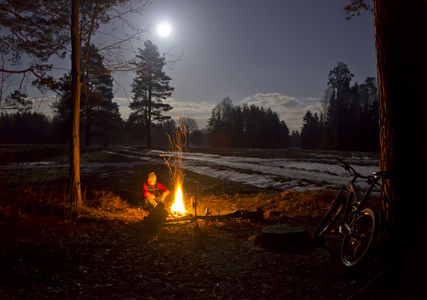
164, 28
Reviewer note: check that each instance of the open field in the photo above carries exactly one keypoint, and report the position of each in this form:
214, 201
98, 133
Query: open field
106, 253
207, 171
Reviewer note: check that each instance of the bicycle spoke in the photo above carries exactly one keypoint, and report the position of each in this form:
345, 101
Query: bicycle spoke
358, 242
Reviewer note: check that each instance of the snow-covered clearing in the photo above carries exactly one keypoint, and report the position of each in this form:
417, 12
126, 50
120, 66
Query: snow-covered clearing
274, 169
311, 170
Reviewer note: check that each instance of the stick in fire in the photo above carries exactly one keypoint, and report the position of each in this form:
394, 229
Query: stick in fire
176, 168
174, 162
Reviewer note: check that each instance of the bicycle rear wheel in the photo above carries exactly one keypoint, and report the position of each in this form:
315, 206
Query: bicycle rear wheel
332, 215
357, 243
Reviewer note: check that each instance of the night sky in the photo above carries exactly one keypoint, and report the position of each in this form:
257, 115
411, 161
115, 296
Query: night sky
274, 53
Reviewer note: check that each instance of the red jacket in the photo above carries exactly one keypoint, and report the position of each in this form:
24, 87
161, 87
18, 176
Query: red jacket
155, 190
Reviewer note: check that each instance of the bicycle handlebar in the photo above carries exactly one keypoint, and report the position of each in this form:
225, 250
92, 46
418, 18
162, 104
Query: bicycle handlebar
380, 174
350, 169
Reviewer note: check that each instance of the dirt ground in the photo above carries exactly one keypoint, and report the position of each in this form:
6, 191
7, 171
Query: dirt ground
44, 255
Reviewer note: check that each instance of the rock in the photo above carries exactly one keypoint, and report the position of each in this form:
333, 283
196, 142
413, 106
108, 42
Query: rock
284, 238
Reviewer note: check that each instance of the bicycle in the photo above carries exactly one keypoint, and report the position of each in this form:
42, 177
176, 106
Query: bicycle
359, 225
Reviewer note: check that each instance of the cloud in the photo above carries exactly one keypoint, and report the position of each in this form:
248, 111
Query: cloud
200, 112
274, 100
43, 105
290, 109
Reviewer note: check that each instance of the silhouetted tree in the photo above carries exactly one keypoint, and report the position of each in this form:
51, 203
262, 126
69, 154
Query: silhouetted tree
246, 126
17, 101
62, 108
284, 135
311, 131
339, 81
188, 125
25, 128
220, 122
150, 88
348, 119
99, 114
200, 138
34, 31
97, 94
295, 139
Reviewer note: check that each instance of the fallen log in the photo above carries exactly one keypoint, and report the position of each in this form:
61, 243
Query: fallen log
256, 216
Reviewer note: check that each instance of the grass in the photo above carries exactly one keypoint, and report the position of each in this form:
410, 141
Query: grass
306, 204
106, 205
23, 190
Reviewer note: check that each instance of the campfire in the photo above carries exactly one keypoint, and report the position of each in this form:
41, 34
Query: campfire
178, 208
178, 212
176, 170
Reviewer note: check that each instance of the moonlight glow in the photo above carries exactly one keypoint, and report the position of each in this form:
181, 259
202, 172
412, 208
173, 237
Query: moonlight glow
164, 28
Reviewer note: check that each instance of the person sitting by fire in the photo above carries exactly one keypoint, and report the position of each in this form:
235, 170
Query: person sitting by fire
153, 192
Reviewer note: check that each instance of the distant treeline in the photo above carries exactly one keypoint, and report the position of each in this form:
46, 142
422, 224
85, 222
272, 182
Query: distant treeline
36, 128
349, 117
27, 128
246, 127
254, 127
348, 121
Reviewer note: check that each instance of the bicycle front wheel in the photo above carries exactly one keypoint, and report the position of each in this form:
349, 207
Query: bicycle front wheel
358, 241
332, 215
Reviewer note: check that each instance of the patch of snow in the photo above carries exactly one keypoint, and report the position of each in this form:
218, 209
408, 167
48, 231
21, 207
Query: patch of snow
281, 174
312, 170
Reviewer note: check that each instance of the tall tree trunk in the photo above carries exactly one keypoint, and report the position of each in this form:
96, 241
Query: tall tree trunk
149, 119
400, 33
75, 185
88, 131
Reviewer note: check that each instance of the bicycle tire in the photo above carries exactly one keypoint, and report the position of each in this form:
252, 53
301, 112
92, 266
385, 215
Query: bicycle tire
328, 221
357, 243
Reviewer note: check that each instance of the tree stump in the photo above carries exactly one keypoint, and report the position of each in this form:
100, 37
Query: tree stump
284, 238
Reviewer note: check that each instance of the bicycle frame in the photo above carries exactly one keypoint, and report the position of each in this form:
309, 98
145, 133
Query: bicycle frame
349, 208
357, 224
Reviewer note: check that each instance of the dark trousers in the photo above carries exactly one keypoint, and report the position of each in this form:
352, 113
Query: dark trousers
156, 217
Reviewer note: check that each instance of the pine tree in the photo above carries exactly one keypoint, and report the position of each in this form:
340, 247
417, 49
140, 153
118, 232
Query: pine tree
339, 81
17, 101
99, 113
35, 31
246, 126
150, 88
311, 131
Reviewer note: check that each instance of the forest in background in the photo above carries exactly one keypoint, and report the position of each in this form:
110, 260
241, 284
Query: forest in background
348, 120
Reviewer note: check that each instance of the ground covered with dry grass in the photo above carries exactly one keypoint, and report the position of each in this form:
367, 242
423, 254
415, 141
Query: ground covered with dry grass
106, 253
103, 250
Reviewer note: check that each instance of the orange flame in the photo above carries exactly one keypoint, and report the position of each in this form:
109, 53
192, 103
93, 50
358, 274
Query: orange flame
178, 206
